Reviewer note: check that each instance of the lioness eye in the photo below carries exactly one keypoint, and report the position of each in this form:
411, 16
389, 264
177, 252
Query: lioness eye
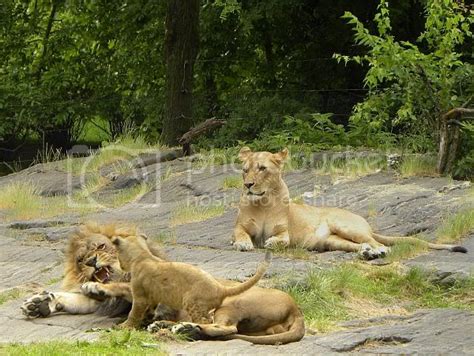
246, 170
262, 168
101, 247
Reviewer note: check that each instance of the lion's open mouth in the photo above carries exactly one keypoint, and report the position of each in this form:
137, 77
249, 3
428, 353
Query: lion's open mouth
103, 274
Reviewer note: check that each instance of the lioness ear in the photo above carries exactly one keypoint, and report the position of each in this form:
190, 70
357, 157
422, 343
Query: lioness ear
281, 156
244, 153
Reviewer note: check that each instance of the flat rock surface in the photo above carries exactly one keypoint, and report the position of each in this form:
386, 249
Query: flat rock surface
31, 252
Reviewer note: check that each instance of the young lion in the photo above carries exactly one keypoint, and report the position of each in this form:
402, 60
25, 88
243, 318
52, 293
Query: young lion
178, 285
267, 217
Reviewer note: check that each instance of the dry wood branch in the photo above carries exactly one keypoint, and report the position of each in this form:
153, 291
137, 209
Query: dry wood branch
199, 129
456, 112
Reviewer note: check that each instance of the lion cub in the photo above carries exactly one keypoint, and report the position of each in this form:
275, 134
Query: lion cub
178, 285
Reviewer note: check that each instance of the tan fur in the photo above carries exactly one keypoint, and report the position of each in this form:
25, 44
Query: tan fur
90, 258
178, 285
267, 217
246, 317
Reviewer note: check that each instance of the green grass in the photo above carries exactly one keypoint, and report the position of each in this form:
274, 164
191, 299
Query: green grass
456, 226
353, 290
352, 167
10, 295
128, 195
232, 182
403, 250
116, 342
20, 198
419, 165
166, 237
216, 157
193, 213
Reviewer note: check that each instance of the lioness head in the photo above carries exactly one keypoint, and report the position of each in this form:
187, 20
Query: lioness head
261, 171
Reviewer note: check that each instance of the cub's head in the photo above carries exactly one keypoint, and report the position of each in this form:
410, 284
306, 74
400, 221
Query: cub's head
131, 246
261, 172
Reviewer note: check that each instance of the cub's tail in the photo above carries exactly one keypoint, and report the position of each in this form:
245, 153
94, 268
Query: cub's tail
262, 268
391, 240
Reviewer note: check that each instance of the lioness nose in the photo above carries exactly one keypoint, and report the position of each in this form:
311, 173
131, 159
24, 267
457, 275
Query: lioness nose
249, 185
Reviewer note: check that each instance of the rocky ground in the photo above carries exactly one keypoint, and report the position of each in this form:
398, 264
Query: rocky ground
31, 250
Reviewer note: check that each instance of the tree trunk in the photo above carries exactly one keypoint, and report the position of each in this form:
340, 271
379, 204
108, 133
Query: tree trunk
449, 135
181, 48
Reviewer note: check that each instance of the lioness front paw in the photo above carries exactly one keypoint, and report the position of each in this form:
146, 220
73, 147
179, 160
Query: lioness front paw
93, 290
368, 252
243, 245
274, 242
41, 305
191, 331
382, 251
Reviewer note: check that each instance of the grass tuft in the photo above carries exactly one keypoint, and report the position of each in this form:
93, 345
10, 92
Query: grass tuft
20, 198
232, 182
352, 167
456, 226
419, 165
10, 295
193, 213
404, 250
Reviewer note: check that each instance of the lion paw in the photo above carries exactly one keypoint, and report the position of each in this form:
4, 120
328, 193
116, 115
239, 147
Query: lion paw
93, 290
274, 241
243, 245
368, 252
382, 251
41, 305
189, 330
160, 325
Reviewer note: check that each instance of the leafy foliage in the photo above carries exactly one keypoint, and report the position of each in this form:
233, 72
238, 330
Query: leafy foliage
412, 84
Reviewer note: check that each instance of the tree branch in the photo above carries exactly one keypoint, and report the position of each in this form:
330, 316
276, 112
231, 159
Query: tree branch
198, 130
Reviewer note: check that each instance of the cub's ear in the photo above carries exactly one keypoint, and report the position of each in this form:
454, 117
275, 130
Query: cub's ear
116, 240
143, 235
244, 153
281, 156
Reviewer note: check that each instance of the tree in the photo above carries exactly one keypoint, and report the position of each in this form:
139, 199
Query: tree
418, 89
181, 49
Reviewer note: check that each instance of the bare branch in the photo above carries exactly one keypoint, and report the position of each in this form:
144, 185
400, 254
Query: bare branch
201, 128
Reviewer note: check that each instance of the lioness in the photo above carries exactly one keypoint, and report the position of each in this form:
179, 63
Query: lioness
267, 217
180, 286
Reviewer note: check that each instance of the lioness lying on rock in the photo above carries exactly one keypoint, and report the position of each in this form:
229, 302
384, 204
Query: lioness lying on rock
180, 286
267, 218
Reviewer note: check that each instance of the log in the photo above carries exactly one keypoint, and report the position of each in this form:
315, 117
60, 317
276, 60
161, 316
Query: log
198, 130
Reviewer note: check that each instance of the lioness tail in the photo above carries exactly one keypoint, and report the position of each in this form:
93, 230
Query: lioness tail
261, 269
391, 240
